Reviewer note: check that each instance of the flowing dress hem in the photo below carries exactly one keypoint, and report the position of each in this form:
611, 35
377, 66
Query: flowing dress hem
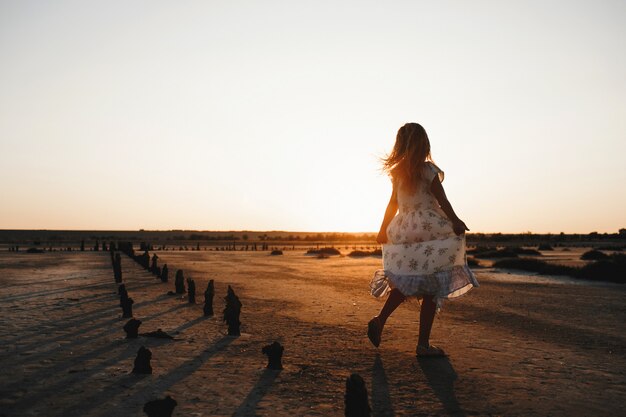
441, 285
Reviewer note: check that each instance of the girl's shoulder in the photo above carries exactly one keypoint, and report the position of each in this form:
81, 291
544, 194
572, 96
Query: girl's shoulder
431, 169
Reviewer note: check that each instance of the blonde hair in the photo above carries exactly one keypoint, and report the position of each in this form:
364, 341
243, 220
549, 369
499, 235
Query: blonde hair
405, 163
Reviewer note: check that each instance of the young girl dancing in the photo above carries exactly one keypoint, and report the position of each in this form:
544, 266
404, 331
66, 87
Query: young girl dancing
423, 244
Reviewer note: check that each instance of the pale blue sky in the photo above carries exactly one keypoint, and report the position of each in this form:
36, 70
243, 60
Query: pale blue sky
271, 114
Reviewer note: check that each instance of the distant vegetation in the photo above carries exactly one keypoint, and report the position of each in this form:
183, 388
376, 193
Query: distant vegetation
525, 251
507, 252
34, 250
612, 268
560, 239
363, 253
323, 251
268, 240
593, 255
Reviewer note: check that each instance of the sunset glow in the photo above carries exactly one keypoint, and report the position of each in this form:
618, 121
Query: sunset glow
272, 115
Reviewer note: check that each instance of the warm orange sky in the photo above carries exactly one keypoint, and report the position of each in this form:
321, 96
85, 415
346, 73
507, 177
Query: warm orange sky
271, 115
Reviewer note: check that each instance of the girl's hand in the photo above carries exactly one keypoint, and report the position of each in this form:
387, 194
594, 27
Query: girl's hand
382, 237
459, 227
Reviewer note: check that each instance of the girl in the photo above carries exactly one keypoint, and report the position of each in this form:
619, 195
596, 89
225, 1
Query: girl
423, 244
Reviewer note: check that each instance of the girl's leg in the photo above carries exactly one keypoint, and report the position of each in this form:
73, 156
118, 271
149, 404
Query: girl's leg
393, 301
375, 325
427, 316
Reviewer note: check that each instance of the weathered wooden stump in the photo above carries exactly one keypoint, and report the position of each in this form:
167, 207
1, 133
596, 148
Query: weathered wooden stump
274, 354
160, 408
208, 299
142, 361
117, 268
232, 312
154, 266
355, 399
179, 282
191, 291
127, 307
132, 328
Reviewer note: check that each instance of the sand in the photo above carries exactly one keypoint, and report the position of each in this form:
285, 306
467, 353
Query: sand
518, 345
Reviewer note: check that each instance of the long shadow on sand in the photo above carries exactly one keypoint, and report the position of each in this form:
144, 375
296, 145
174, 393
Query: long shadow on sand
381, 398
83, 317
47, 281
121, 387
46, 293
191, 323
441, 376
70, 380
124, 348
131, 287
535, 327
260, 389
75, 343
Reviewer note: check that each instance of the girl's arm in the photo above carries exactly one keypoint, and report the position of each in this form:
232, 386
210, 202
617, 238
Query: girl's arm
436, 188
392, 209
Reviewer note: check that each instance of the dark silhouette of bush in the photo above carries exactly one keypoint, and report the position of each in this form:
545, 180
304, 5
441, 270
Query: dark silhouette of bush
522, 251
507, 252
612, 269
545, 246
276, 252
34, 250
363, 253
323, 251
593, 255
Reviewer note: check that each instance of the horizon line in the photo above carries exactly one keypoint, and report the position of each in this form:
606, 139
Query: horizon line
617, 232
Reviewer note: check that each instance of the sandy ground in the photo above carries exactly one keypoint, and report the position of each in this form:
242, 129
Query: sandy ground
519, 345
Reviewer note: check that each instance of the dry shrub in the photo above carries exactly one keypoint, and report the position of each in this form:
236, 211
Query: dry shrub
323, 251
593, 255
363, 253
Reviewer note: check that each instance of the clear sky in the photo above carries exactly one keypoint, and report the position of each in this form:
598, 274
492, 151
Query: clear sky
270, 115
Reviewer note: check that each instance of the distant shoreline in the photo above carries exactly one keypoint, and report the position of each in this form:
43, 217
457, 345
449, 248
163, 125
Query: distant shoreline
180, 236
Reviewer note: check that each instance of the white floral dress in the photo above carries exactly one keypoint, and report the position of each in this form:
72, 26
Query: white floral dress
423, 254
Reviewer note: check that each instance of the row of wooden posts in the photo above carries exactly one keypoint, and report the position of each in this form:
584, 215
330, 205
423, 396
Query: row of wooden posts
356, 399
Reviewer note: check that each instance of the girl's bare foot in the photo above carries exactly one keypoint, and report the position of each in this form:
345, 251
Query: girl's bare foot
429, 351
